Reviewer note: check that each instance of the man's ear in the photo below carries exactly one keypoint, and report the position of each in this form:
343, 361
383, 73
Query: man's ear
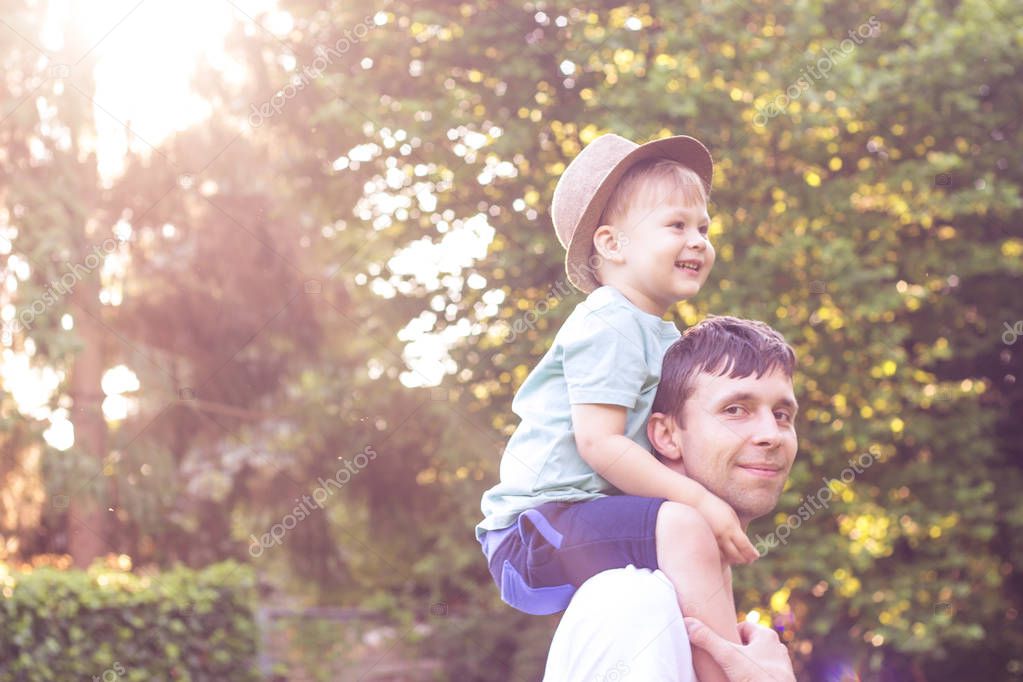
660, 429
608, 243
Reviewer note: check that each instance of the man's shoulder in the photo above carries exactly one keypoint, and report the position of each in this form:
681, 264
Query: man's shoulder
629, 582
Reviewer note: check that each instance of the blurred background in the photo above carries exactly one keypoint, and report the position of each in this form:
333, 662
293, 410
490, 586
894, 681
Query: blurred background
272, 272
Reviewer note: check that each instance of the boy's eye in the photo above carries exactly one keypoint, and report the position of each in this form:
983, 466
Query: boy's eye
704, 229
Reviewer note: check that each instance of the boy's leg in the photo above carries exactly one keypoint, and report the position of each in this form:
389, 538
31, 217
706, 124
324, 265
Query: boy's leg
688, 554
557, 546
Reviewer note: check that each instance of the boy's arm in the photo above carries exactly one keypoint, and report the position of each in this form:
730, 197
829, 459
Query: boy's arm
600, 437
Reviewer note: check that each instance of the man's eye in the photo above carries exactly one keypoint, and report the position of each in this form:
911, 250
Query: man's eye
784, 416
734, 409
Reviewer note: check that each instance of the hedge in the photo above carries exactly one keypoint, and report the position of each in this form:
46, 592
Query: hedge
114, 625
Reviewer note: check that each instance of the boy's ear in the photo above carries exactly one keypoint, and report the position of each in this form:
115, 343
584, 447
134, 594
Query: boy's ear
660, 430
608, 243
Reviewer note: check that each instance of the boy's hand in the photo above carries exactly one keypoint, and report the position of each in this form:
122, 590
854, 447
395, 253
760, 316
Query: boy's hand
735, 546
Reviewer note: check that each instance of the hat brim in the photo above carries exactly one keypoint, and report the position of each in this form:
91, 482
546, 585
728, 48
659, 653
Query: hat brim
686, 150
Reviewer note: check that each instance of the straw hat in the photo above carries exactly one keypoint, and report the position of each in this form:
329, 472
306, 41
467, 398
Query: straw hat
584, 188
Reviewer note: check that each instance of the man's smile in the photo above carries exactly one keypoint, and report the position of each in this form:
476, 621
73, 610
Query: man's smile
762, 470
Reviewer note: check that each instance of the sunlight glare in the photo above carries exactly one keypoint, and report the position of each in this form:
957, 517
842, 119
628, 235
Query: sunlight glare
119, 379
146, 55
60, 435
30, 387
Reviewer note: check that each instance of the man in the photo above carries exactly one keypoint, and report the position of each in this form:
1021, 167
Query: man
625, 624
724, 416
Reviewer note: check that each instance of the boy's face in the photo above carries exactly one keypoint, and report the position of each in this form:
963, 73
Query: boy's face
668, 255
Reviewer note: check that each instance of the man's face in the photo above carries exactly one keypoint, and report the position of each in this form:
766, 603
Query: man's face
739, 439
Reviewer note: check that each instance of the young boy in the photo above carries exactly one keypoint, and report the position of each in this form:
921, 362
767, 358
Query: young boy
580, 491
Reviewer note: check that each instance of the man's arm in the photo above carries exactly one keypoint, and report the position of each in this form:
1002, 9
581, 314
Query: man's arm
761, 656
602, 443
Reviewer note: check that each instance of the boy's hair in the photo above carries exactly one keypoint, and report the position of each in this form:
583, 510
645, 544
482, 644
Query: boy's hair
647, 176
719, 345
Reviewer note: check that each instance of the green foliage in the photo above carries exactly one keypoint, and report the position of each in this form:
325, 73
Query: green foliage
874, 219
479, 645
113, 625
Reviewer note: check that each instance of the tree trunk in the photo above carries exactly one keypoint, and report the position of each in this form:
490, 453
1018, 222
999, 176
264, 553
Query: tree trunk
87, 537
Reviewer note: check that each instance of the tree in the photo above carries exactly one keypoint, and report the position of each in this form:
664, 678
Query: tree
40, 157
845, 191
389, 188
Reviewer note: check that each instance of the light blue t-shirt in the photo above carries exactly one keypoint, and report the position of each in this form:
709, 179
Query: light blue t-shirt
608, 352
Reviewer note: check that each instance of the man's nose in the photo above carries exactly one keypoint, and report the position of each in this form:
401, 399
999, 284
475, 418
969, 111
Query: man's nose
767, 433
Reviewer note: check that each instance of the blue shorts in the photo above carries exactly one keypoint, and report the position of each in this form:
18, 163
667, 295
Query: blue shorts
540, 561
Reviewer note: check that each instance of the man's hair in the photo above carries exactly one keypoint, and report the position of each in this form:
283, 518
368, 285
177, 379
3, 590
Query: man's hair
649, 175
719, 345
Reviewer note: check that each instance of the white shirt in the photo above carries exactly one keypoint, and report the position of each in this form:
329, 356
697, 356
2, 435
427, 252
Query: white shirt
622, 624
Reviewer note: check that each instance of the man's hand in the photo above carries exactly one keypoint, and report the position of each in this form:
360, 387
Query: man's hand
735, 546
759, 658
